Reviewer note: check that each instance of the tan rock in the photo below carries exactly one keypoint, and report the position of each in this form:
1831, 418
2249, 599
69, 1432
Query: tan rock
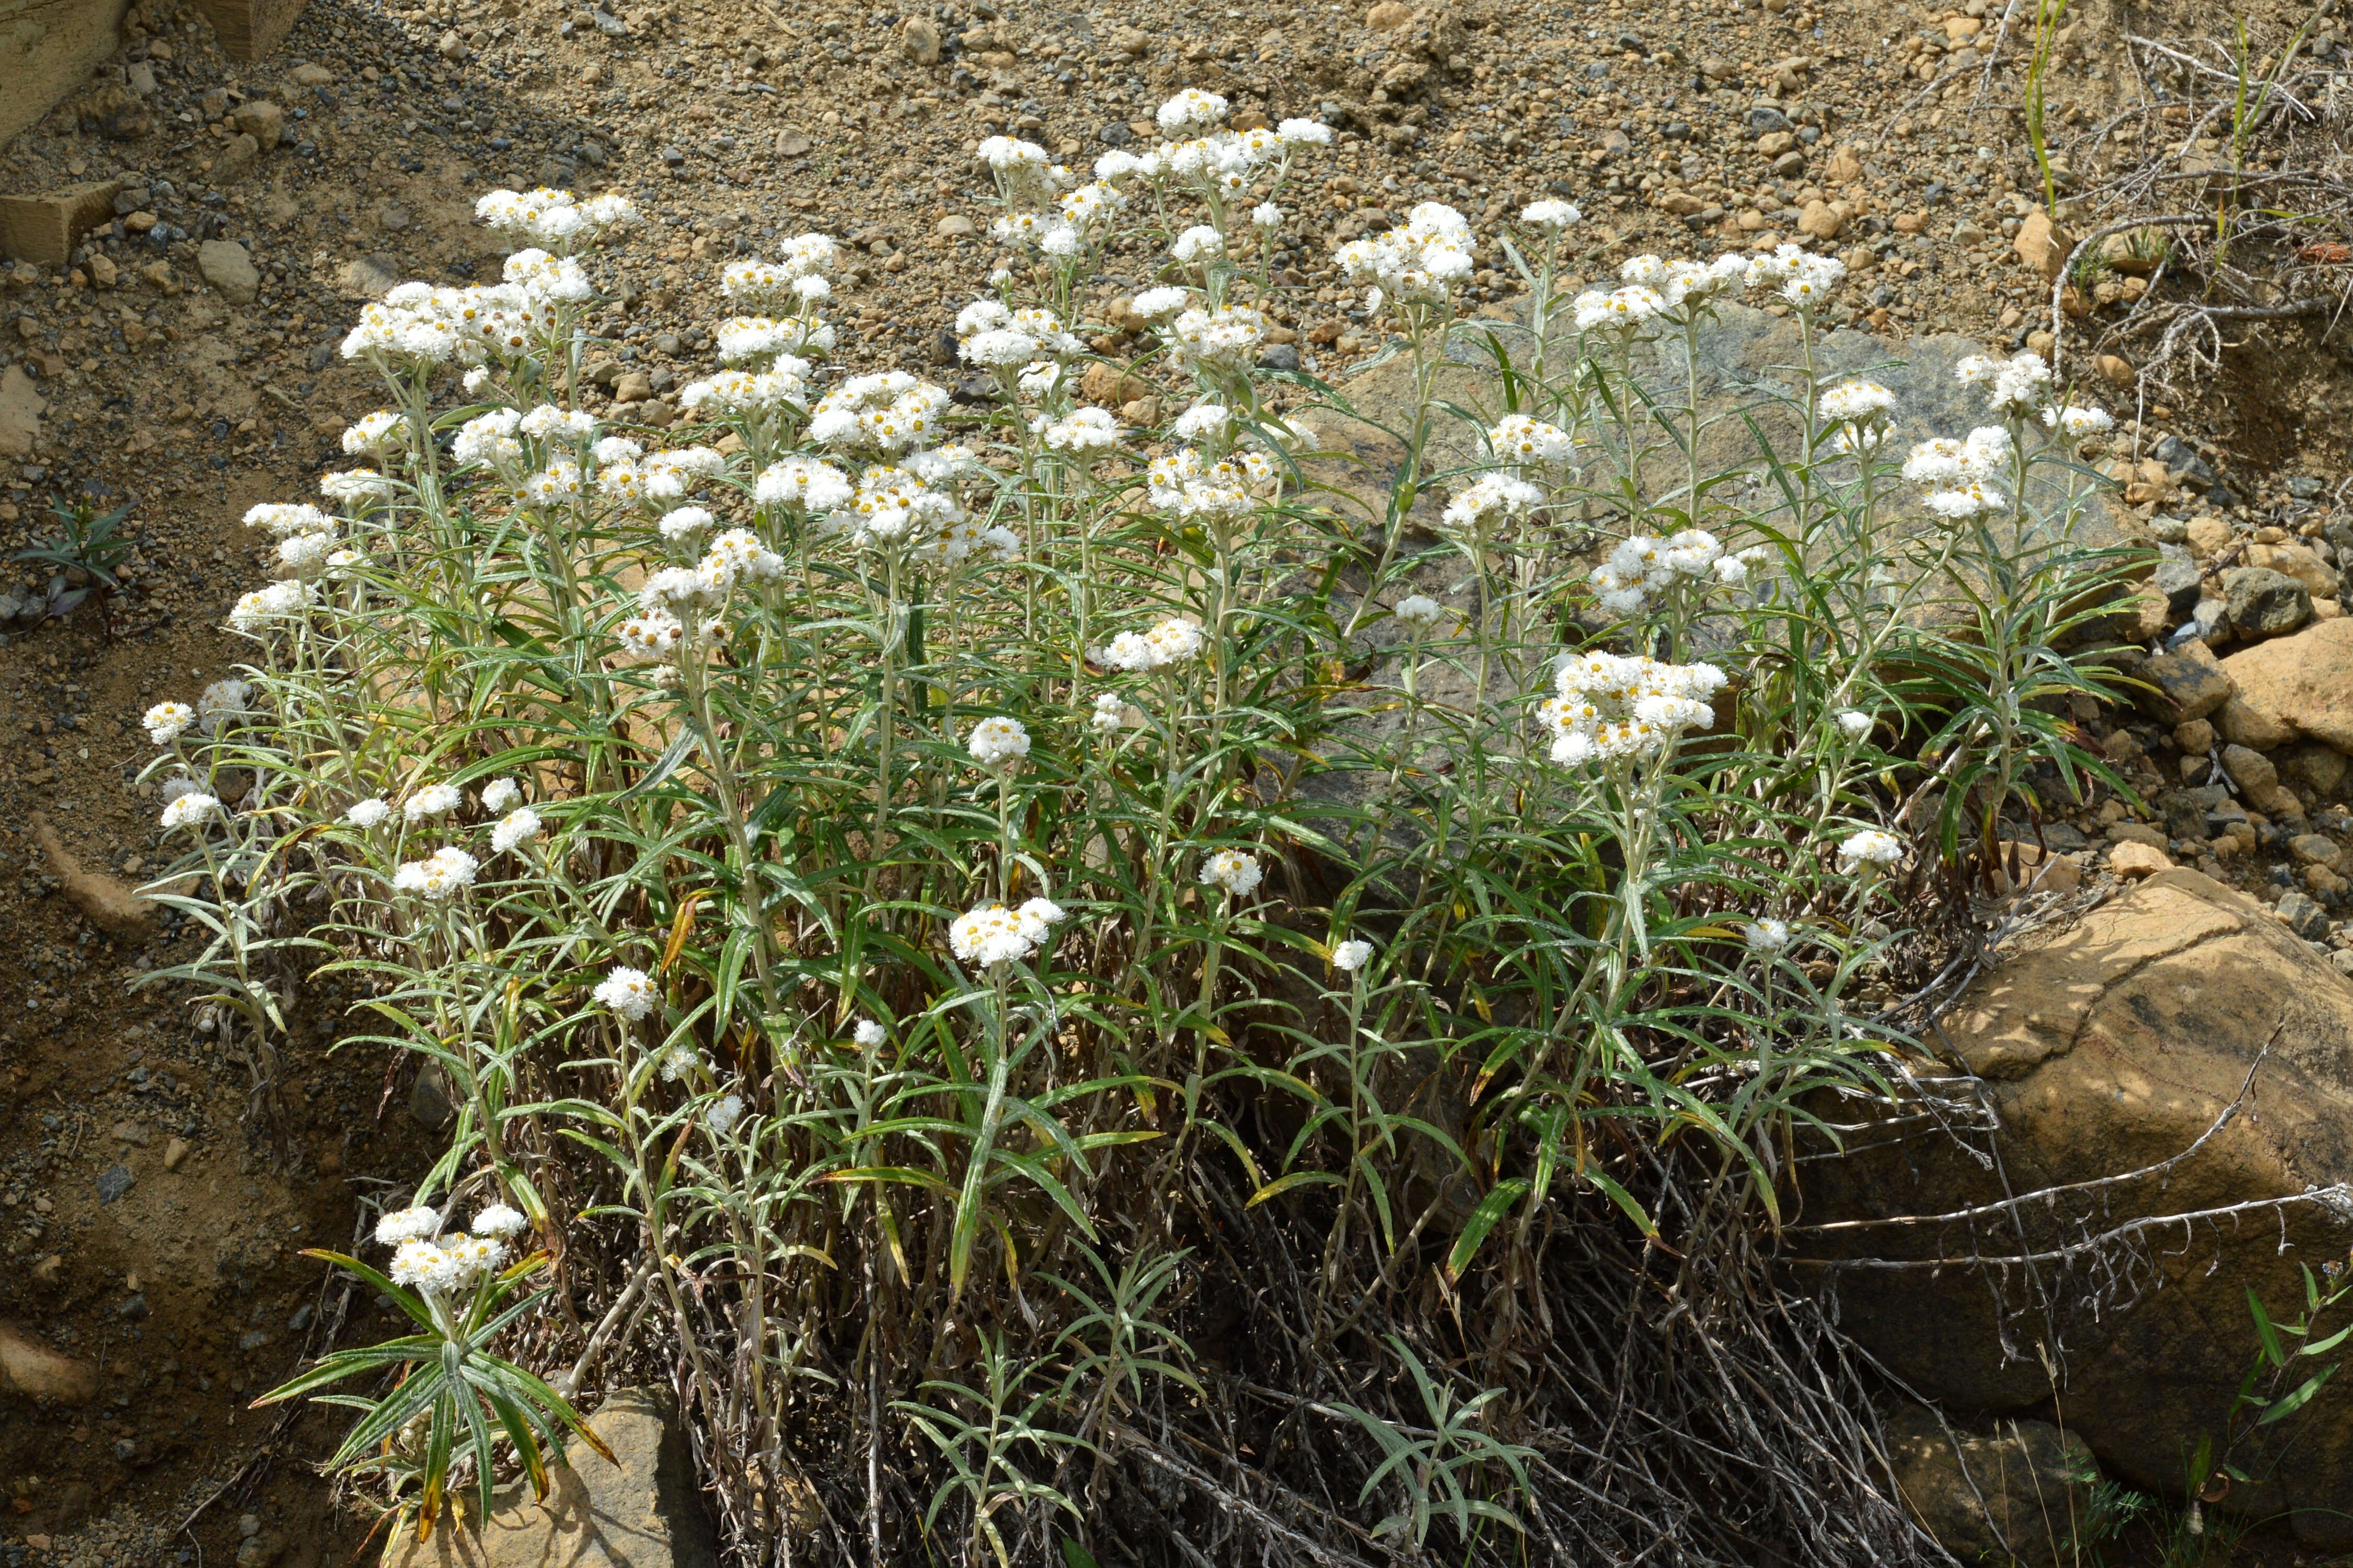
2298, 562
1991, 1499
2187, 683
1821, 220
43, 228
103, 902
2021, 868
1845, 166
2195, 735
1387, 17
2248, 769
2296, 687
33, 1371
235, 160
2318, 768
176, 1153
262, 119
20, 414
1108, 386
2112, 1048
2208, 537
2252, 726
2115, 369
2135, 861
638, 1510
2042, 245
919, 40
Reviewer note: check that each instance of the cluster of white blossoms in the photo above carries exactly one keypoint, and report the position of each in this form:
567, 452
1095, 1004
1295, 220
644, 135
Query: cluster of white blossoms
1028, 342
1611, 706
887, 411
1233, 169
1222, 338
498, 324
1419, 612
1110, 715
1863, 403
628, 992
1959, 476
425, 1259
192, 809
1653, 286
555, 220
750, 394
375, 434
1489, 500
999, 744
2017, 388
1870, 849
1532, 445
1420, 262
443, 874
991, 934
1645, 566
1172, 641
1237, 871
1190, 484
1351, 955
430, 801
1083, 432
277, 601
167, 721
785, 280
910, 508
813, 486
1767, 936
516, 828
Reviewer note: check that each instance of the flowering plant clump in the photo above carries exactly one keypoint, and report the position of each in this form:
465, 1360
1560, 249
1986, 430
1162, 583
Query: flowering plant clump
917, 895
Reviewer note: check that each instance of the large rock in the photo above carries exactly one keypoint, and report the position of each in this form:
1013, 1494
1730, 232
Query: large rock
228, 268
48, 48
2011, 1497
2187, 683
2301, 685
2265, 603
643, 1512
20, 414
2108, 1051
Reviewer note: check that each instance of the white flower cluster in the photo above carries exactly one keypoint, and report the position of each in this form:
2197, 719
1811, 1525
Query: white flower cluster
1532, 444
766, 342
1192, 485
425, 1259
750, 394
1351, 955
999, 742
1491, 499
2017, 388
1237, 871
814, 487
1420, 262
275, 602
416, 322
995, 337
1959, 476
443, 874
1870, 849
1224, 338
888, 410
1645, 566
1083, 432
1611, 706
167, 721
762, 284
992, 934
907, 507
1172, 641
555, 220
190, 810
628, 992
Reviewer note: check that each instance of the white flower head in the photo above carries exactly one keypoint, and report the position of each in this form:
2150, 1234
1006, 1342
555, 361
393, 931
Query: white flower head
190, 811
421, 1223
167, 721
1855, 724
999, 742
441, 875
1110, 715
1870, 849
518, 827
868, 1034
628, 992
1419, 612
1352, 955
992, 934
501, 795
367, 813
433, 800
501, 1222
1235, 871
1767, 936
